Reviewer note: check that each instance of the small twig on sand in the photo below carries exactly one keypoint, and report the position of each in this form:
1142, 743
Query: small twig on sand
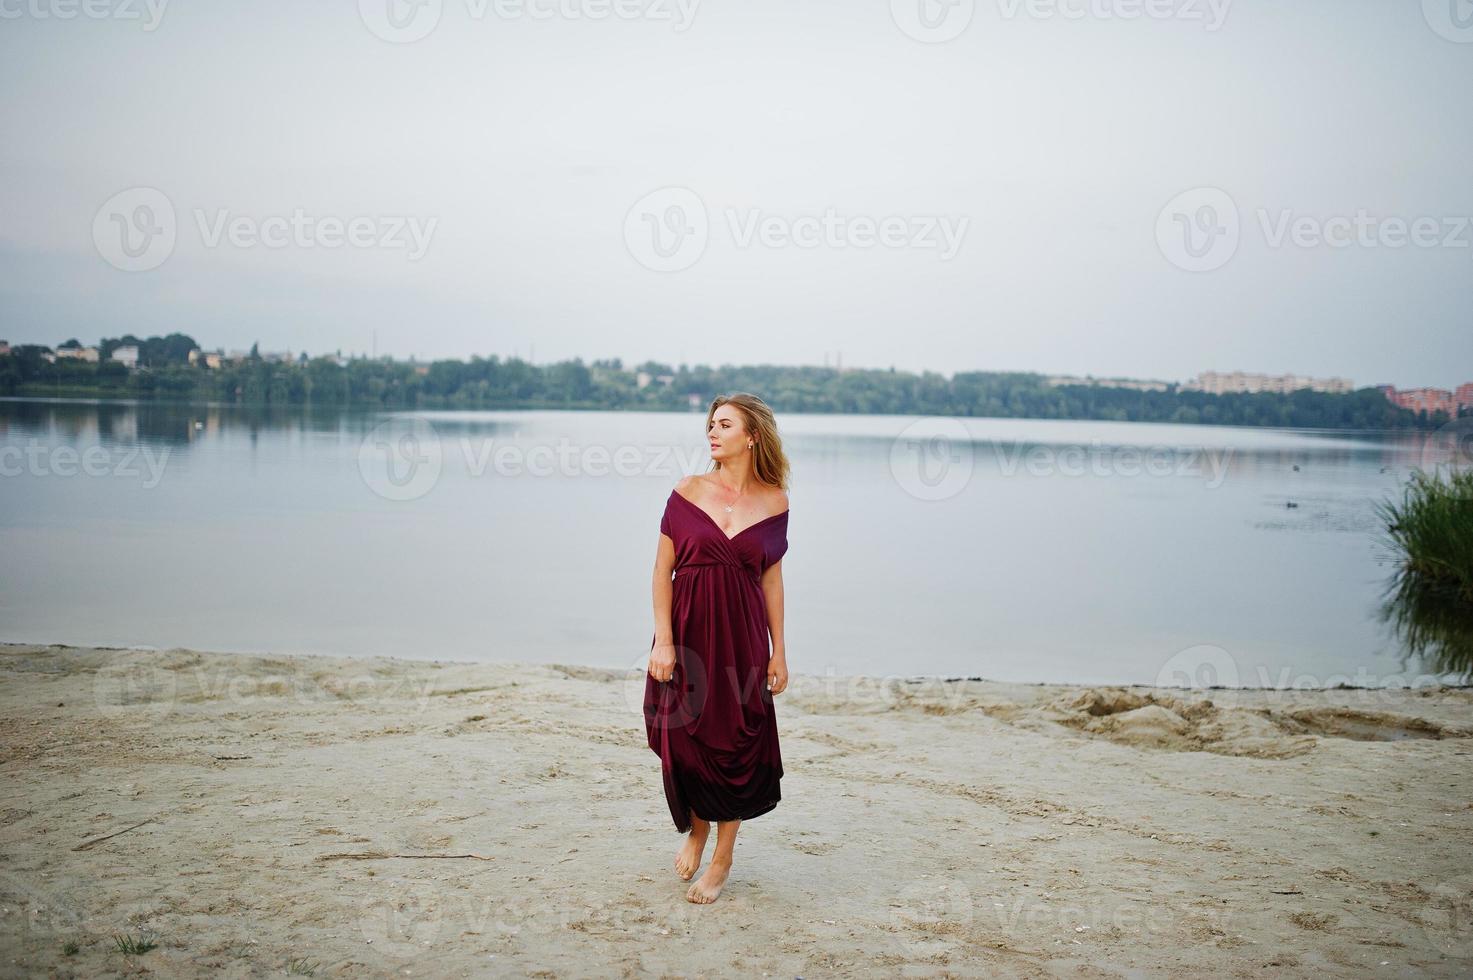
97, 840
380, 855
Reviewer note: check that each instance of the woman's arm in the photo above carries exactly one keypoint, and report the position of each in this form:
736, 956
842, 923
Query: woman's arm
663, 589
662, 652
772, 591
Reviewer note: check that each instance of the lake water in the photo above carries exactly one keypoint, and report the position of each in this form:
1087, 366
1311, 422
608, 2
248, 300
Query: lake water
1013, 549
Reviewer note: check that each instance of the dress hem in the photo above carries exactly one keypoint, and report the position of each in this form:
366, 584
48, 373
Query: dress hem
751, 815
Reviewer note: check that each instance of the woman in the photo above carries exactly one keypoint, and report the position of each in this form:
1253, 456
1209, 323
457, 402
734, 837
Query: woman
708, 713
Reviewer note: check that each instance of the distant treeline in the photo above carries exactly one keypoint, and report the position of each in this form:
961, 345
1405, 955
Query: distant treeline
165, 373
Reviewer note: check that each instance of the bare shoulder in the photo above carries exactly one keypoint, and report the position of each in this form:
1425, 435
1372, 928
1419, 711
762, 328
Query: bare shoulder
689, 486
777, 499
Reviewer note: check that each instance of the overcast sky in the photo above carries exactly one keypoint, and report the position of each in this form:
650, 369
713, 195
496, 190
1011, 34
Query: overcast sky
992, 186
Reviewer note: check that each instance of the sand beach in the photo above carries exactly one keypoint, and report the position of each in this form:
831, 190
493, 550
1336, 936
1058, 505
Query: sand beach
369, 817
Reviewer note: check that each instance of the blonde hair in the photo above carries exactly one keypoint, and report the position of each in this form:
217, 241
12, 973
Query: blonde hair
769, 462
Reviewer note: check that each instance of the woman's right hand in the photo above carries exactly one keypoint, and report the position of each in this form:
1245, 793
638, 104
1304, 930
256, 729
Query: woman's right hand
662, 661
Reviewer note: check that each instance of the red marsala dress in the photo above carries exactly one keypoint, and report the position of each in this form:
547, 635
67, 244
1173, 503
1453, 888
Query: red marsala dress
712, 724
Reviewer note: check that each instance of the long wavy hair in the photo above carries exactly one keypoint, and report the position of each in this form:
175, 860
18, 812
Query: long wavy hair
769, 462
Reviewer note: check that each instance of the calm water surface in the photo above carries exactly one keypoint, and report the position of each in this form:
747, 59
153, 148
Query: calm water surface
1013, 549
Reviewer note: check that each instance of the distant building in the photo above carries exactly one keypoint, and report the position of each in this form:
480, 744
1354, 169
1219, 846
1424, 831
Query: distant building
4, 347
88, 354
1431, 400
127, 355
1241, 382
1134, 383
644, 378
210, 359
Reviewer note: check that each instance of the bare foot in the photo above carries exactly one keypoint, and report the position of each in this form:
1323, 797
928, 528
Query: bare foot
704, 892
689, 857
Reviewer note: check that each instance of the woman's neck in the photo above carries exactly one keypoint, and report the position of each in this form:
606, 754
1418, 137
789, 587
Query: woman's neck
736, 477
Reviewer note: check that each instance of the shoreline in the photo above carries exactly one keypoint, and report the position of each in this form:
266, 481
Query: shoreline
365, 406
382, 817
616, 672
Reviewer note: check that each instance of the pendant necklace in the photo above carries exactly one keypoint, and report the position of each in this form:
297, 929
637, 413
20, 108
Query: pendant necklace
730, 505
738, 496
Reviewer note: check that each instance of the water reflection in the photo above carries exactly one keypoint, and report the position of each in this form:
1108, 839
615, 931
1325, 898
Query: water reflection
1435, 623
261, 531
1244, 451
1429, 533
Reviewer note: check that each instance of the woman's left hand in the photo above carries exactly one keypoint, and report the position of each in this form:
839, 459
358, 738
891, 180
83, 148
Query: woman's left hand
777, 673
